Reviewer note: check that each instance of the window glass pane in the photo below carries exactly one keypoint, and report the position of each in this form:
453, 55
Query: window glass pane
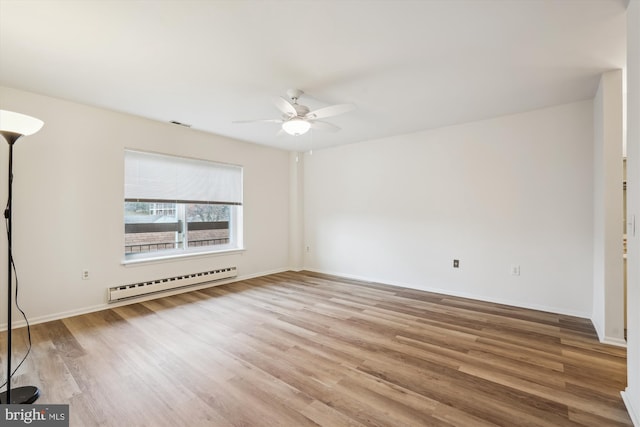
207, 225
151, 227
204, 213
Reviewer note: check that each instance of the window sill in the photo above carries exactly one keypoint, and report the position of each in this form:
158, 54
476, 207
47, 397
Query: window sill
179, 257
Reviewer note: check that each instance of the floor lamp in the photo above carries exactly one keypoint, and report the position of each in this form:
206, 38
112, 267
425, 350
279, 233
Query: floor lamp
12, 127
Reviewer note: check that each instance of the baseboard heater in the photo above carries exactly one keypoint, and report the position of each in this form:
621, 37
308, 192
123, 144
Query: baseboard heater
119, 293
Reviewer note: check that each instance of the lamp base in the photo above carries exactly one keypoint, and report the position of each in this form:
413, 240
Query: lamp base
19, 395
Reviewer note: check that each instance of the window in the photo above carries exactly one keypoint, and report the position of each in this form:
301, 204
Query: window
177, 206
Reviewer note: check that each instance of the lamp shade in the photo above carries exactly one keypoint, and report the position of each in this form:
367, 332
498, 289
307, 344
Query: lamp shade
296, 126
20, 124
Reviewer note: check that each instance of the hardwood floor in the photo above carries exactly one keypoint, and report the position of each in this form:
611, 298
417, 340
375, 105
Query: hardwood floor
302, 349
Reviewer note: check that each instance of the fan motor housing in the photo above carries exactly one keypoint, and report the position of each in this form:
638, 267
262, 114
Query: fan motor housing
302, 110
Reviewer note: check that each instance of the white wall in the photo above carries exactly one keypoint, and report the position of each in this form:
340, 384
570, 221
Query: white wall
68, 203
514, 190
632, 393
608, 281
296, 212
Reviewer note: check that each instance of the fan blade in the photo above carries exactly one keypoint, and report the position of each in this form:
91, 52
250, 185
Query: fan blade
258, 121
330, 111
285, 106
318, 125
281, 132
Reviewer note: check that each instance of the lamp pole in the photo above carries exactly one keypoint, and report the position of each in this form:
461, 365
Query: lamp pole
7, 215
12, 127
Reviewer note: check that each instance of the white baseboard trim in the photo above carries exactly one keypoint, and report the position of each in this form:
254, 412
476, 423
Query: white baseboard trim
604, 339
448, 292
633, 413
618, 342
599, 329
54, 316
99, 307
261, 274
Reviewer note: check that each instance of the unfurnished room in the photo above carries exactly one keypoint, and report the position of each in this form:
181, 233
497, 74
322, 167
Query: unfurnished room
320, 213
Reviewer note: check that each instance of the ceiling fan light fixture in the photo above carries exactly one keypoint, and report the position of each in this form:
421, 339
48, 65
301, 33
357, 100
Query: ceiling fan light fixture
296, 126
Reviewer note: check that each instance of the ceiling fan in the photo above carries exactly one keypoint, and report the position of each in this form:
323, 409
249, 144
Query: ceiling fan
297, 119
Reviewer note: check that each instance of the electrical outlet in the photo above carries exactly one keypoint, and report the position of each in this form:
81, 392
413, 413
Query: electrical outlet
456, 263
515, 270
85, 274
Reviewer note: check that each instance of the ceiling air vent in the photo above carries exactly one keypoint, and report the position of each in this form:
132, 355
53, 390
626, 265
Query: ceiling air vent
180, 124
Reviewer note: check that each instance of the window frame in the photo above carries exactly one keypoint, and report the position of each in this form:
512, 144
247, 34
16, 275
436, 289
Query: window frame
235, 222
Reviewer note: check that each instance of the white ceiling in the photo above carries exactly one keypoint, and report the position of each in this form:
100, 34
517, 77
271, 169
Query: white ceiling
406, 65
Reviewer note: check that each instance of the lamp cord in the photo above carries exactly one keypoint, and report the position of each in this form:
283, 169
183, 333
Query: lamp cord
24, 316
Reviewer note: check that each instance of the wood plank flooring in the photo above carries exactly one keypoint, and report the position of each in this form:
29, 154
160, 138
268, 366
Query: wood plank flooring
303, 349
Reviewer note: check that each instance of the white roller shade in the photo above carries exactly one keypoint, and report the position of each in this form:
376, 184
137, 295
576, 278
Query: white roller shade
156, 177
